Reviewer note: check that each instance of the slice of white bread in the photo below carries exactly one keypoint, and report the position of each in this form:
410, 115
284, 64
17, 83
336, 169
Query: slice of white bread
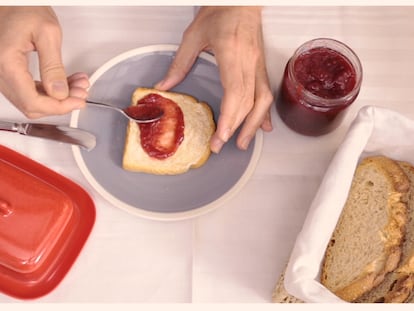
367, 241
398, 285
194, 149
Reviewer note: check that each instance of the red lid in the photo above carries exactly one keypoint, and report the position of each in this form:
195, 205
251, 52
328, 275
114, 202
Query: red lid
45, 219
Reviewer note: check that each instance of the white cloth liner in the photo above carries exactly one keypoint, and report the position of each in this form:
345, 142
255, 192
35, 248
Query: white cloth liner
374, 131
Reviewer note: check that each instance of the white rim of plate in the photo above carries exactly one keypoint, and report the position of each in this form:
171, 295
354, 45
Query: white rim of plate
136, 210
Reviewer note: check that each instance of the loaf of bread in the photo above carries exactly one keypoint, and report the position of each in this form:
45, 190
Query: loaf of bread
192, 150
367, 241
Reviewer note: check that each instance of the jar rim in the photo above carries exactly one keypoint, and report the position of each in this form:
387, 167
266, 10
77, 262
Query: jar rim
345, 51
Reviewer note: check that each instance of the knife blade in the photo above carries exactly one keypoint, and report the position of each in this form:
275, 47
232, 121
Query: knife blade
61, 133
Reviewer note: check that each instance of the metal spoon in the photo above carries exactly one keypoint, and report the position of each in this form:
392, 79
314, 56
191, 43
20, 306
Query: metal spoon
141, 113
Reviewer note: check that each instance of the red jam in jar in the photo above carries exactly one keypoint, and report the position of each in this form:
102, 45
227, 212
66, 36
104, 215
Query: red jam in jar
320, 81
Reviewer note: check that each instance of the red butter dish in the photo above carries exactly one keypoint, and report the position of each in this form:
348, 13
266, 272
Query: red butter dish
45, 220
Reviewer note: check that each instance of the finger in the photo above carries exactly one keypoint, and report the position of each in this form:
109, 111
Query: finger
259, 117
79, 80
17, 83
78, 76
52, 72
260, 114
184, 59
46, 106
238, 82
75, 92
223, 132
78, 92
267, 125
264, 90
27, 95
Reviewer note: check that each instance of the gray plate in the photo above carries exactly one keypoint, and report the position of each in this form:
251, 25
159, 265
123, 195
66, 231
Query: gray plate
157, 197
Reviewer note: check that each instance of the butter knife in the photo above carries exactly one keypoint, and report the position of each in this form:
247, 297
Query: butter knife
61, 133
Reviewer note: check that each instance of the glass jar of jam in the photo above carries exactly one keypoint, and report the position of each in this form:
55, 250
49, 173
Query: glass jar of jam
321, 79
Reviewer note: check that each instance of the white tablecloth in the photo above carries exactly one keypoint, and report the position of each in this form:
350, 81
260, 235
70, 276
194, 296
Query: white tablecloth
235, 253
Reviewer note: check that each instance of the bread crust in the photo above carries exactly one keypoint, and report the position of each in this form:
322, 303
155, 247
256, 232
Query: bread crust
194, 150
391, 235
398, 285
280, 294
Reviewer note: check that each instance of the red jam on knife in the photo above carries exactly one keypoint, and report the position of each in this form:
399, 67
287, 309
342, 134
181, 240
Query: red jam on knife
321, 80
161, 139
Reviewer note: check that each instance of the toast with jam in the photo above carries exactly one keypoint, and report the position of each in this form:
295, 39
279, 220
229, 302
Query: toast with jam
174, 144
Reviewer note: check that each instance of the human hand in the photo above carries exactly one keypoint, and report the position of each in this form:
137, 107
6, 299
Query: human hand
234, 36
24, 30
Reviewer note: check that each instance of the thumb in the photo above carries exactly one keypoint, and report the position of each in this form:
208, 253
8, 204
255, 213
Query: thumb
180, 66
52, 71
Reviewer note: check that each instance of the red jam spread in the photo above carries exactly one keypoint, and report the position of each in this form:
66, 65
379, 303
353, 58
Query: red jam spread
325, 73
161, 139
143, 112
315, 90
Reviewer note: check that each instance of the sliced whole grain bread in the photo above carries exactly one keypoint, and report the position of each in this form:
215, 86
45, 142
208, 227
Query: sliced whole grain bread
367, 241
398, 285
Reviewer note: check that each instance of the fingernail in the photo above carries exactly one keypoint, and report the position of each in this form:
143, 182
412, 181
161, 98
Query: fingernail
226, 134
59, 87
216, 145
267, 126
245, 142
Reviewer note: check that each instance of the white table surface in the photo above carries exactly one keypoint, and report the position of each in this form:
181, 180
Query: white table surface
235, 253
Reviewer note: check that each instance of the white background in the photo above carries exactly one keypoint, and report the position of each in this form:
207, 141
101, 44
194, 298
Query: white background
236, 253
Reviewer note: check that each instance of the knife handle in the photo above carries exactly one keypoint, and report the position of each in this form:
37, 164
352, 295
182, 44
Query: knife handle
12, 127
